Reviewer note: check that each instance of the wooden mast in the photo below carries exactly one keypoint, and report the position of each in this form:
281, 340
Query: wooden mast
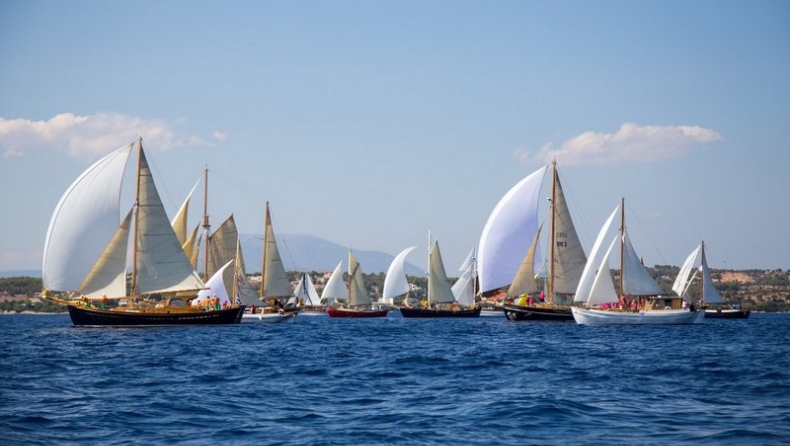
133, 290
206, 225
622, 236
552, 242
263, 258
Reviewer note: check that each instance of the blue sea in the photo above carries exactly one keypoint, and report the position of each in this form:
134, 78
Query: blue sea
395, 381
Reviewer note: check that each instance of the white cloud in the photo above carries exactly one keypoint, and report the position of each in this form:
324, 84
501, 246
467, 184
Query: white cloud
631, 143
91, 135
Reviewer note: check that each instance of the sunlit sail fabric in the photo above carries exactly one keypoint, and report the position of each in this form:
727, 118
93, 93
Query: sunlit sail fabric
439, 290
357, 295
275, 283
395, 282
108, 276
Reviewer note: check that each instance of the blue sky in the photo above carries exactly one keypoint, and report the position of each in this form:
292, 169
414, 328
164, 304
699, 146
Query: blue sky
369, 123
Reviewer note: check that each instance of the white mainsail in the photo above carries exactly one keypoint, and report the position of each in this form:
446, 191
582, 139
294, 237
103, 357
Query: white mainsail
636, 280
84, 221
684, 276
709, 293
439, 290
595, 260
395, 281
305, 291
464, 288
335, 289
602, 290
507, 235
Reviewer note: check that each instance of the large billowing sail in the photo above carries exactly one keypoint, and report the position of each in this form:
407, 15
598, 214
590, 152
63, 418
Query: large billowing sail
439, 290
395, 282
335, 289
216, 286
357, 295
108, 276
83, 223
507, 235
275, 283
569, 258
162, 264
636, 280
595, 260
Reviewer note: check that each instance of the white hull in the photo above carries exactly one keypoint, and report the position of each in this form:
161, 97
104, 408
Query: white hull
492, 313
268, 318
656, 317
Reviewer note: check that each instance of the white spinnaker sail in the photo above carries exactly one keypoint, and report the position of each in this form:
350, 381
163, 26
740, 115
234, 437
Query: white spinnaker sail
602, 290
108, 276
162, 265
395, 282
508, 233
216, 286
439, 290
305, 291
636, 280
83, 223
684, 276
335, 288
594, 261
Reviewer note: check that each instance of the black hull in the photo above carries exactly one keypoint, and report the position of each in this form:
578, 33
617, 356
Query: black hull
727, 314
535, 313
91, 317
437, 313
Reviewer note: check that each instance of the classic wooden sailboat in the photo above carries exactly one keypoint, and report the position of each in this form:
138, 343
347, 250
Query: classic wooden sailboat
710, 300
275, 292
307, 297
440, 301
395, 282
85, 254
640, 299
511, 230
359, 303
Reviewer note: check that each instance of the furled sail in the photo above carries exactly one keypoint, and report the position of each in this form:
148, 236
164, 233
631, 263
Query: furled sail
83, 223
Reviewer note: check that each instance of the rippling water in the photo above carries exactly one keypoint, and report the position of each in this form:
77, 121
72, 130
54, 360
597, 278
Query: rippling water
395, 381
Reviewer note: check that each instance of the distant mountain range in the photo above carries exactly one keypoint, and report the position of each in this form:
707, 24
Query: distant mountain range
299, 252
302, 252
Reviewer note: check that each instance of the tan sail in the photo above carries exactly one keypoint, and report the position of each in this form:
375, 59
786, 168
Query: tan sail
274, 281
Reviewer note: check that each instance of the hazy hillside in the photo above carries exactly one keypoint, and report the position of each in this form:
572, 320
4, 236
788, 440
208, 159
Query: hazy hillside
309, 253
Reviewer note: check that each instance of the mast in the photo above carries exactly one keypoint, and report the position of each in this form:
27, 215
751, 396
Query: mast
206, 225
622, 237
429, 268
702, 279
550, 278
136, 216
263, 259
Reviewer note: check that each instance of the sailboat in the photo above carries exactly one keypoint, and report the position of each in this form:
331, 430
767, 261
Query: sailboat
275, 286
508, 249
335, 292
640, 299
710, 300
85, 254
359, 303
441, 301
307, 297
395, 282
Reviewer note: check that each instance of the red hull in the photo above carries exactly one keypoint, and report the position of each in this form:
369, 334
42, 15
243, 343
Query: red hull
346, 312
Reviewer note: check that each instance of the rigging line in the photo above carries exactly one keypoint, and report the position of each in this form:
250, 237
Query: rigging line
646, 232
576, 208
242, 188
